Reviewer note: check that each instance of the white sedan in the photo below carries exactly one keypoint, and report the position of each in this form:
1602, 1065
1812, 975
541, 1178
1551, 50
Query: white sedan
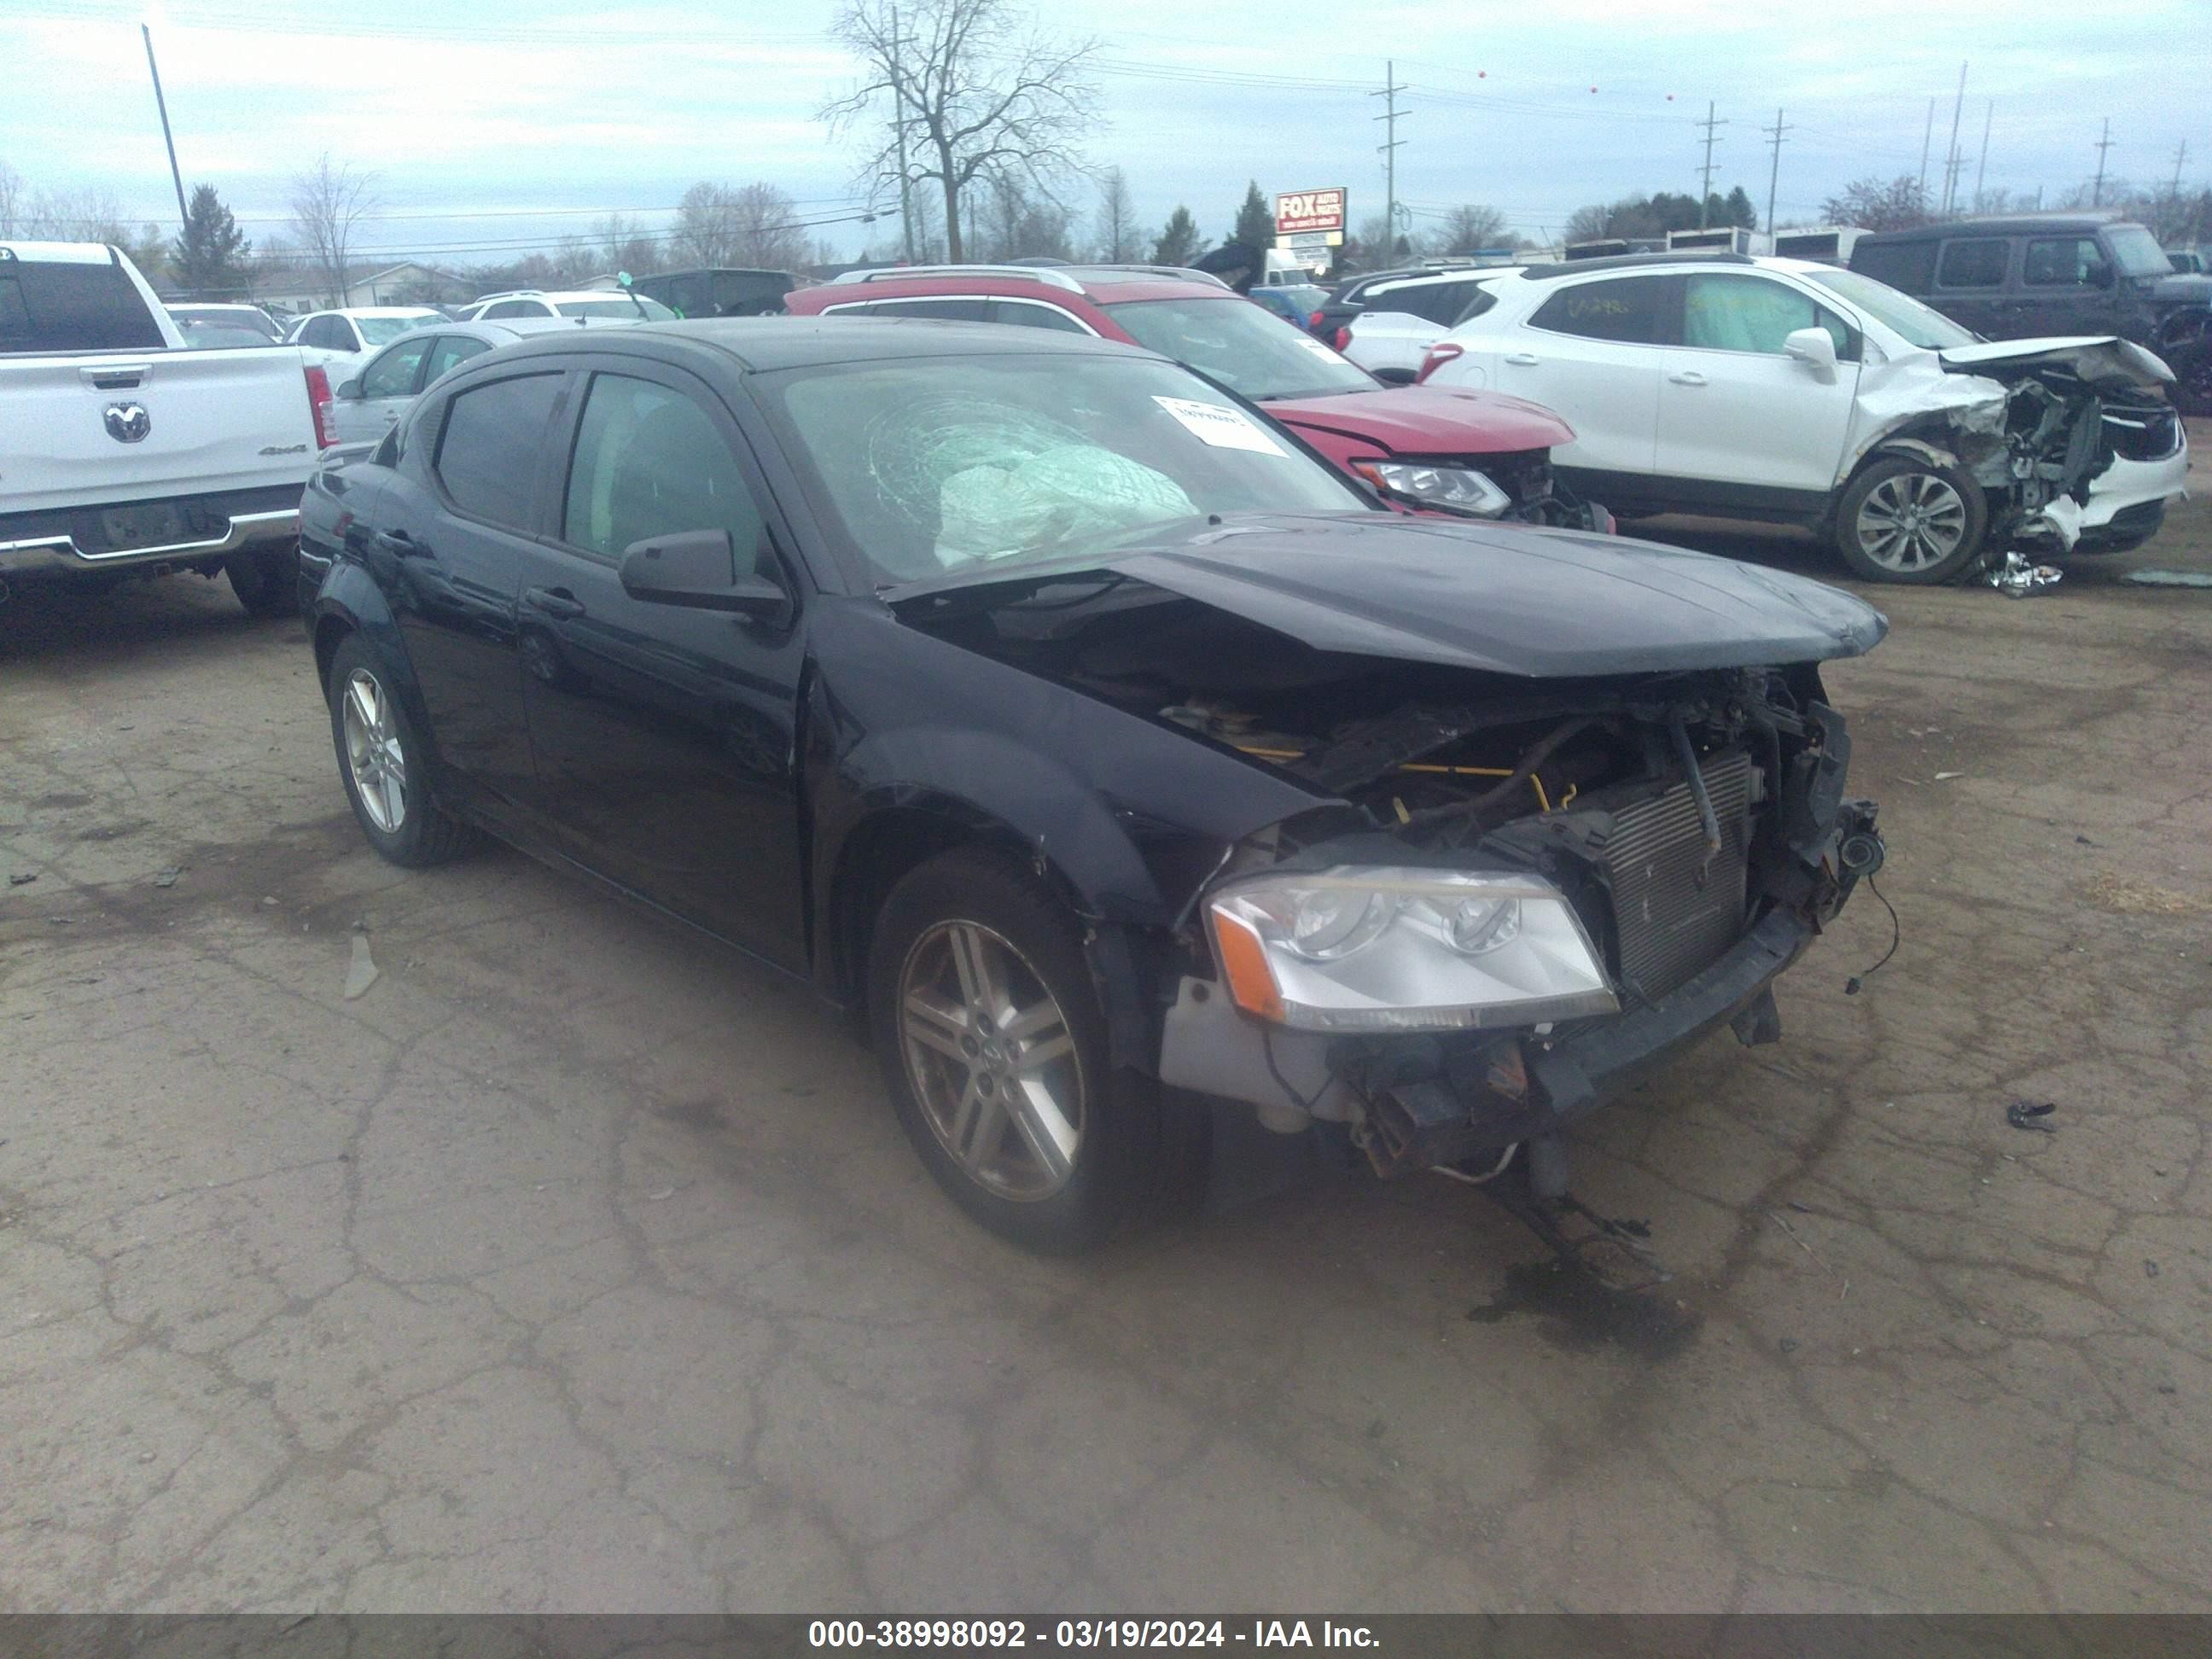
334, 341
1796, 393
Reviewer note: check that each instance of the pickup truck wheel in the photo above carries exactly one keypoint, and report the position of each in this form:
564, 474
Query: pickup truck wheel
994, 1048
2193, 395
1905, 520
266, 580
383, 765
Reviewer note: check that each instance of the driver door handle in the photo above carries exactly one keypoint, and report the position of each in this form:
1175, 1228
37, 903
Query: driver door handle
1688, 377
556, 602
1521, 358
395, 541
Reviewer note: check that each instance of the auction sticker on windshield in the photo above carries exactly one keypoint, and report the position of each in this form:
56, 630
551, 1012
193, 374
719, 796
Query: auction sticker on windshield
1223, 428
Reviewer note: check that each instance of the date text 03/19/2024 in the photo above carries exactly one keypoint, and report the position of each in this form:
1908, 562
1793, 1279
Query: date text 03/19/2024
1076, 1634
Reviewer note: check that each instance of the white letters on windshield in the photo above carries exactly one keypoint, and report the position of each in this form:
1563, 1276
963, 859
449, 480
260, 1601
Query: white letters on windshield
1223, 428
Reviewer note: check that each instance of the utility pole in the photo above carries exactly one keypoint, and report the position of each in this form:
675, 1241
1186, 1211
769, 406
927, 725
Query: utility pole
1951, 158
163, 103
898, 128
1774, 173
2104, 143
1389, 148
1705, 191
1927, 137
1989, 114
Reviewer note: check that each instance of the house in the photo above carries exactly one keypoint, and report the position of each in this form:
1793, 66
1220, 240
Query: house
407, 283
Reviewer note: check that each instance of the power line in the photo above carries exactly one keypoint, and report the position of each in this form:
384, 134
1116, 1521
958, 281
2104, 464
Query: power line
1774, 173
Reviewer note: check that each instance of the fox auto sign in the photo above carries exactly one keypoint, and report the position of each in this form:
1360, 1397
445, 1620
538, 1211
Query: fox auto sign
1302, 211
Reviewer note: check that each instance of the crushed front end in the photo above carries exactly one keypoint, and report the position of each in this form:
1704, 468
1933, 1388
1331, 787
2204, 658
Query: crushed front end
1523, 906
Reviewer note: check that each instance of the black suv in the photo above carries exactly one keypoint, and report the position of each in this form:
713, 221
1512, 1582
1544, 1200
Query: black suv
2056, 274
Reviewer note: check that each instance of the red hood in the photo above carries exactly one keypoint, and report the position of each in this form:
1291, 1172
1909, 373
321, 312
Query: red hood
1428, 420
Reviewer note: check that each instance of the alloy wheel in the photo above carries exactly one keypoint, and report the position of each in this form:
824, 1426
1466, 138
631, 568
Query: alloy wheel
991, 1060
373, 754
1911, 522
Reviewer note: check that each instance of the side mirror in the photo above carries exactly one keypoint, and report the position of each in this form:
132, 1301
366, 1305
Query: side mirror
698, 569
2100, 276
1814, 346
348, 389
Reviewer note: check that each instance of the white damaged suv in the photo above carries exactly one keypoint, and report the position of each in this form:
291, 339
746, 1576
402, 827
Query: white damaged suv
1796, 393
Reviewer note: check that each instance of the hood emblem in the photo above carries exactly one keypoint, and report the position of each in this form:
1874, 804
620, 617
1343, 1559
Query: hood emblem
128, 422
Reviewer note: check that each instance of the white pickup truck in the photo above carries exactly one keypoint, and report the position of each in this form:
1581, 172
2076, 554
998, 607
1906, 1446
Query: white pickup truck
124, 454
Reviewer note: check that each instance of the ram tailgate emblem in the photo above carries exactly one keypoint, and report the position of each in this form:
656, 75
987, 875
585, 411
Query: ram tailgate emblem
127, 423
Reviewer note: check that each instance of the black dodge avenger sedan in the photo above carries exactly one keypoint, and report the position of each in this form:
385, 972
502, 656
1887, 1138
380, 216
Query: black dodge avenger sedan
1134, 775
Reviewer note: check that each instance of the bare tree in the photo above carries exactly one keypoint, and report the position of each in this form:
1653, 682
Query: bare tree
12, 200
624, 245
1116, 237
1898, 205
706, 231
1468, 227
955, 90
765, 230
328, 200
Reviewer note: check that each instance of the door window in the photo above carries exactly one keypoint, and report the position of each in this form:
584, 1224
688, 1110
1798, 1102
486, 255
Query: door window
449, 349
1909, 267
513, 308
2065, 262
321, 332
946, 310
488, 457
1978, 263
1024, 314
649, 461
1751, 314
1634, 310
392, 375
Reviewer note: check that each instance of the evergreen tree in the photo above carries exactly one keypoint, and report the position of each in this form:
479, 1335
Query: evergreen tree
1255, 220
1178, 242
210, 257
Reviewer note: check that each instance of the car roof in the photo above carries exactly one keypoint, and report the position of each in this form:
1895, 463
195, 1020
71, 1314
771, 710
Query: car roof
767, 344
554, 294
1100, 284
2020, 224
379, 311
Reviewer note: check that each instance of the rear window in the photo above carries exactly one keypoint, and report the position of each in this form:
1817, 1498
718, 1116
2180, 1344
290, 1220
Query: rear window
1976, 264
72, 308
1634, 310
487, 458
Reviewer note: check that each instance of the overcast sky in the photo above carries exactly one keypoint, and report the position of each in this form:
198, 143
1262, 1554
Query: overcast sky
486, 132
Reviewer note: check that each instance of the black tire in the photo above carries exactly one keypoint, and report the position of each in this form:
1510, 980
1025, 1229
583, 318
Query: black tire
423, 833
266, 580
1922, 554
1129, 1155
2192, 370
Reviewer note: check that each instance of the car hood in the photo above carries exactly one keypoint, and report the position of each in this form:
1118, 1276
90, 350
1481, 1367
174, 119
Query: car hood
1423, 419
2099, 359
2182, 287
1506, 599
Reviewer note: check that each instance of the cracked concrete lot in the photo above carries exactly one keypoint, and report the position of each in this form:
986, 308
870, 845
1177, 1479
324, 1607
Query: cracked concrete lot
576, 1265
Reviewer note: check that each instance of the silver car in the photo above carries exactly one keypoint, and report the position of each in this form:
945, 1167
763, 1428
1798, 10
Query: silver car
366, 406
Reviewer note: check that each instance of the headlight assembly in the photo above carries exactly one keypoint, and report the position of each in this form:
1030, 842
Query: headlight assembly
1459, 489
1387, 949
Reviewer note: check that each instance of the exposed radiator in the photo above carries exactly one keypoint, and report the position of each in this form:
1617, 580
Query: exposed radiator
1676, 910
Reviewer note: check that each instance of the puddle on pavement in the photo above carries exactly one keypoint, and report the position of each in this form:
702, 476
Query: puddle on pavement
1580, 1313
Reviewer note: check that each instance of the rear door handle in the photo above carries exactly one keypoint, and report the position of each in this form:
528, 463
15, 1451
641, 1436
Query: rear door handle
556, 602
1521, 358
1688, 377
395, 541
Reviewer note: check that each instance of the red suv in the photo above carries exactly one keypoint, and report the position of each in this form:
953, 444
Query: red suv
1480, 453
